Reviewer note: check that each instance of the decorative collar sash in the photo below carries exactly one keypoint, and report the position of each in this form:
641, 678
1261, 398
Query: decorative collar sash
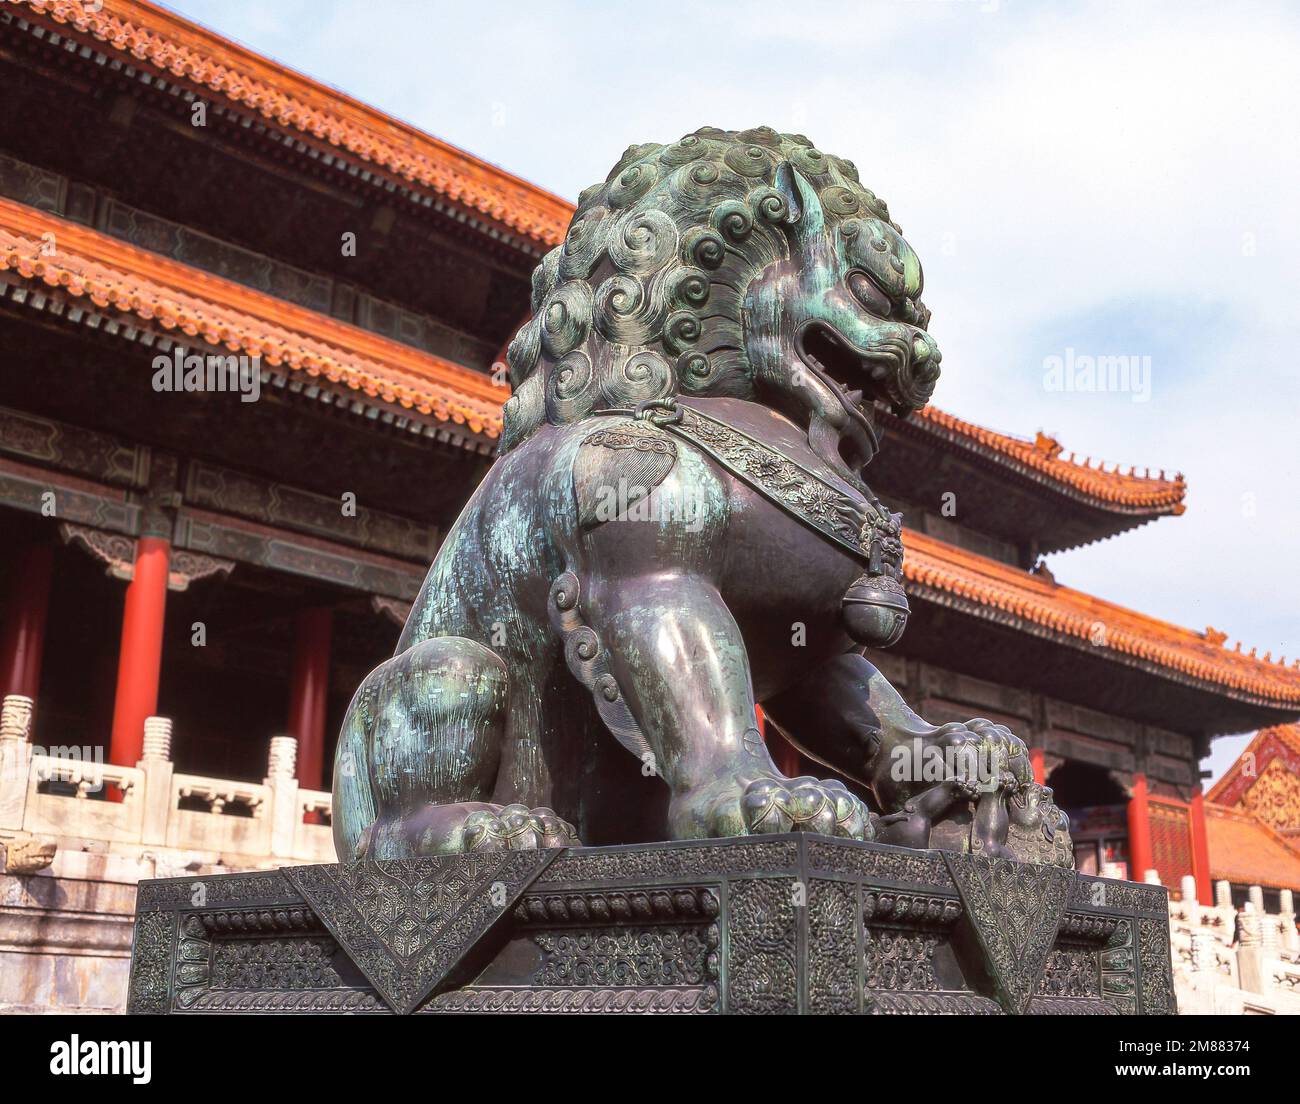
865, 530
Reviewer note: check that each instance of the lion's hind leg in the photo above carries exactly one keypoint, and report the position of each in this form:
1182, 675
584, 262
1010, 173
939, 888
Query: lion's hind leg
418, 758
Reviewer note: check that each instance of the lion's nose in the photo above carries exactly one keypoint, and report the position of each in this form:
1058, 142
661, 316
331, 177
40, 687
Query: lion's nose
925, 354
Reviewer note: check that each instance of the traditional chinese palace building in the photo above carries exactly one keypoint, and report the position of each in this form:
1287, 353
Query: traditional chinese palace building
186, 576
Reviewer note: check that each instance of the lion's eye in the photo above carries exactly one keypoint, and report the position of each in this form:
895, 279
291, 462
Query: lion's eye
866, 292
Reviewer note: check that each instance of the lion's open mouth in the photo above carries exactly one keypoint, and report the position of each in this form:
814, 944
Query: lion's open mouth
856, 379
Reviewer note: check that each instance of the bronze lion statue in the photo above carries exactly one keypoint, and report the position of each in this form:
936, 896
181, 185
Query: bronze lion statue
676, 530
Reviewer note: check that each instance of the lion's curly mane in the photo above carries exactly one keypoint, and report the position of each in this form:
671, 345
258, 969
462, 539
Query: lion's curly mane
643, 299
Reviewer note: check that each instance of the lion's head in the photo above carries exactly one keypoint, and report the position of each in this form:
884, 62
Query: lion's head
730, 263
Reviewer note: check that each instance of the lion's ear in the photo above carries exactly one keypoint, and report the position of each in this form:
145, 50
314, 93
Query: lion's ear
806, 218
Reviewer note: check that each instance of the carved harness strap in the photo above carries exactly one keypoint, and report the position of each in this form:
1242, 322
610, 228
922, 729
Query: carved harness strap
868, 533
874, 609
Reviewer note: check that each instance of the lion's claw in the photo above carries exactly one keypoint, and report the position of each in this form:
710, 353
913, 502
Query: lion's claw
804, 804
517, 828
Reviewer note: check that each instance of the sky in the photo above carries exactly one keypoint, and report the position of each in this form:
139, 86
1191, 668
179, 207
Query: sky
1080, 180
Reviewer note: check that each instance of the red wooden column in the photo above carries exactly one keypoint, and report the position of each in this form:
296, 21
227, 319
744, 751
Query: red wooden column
1201, 850
139, 660
22, 634
1040, 769
1139, 829
309, 694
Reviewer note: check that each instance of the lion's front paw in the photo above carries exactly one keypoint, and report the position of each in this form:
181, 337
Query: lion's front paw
516, 828
804, 804
740, 807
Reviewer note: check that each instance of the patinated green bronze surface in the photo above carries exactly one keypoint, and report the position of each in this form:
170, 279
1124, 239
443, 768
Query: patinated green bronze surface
678, 529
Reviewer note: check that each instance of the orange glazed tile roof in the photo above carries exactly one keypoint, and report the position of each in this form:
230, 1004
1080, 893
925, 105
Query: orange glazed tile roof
111, 274
1247, 851
948, 572
1044, 456
143, 33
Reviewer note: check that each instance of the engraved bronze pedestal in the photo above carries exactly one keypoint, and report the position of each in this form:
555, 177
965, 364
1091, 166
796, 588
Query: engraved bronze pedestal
781, 924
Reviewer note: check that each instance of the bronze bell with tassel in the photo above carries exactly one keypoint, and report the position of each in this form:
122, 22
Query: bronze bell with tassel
875, 607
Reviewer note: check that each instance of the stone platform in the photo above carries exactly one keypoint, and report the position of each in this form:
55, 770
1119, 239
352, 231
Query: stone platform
778, 924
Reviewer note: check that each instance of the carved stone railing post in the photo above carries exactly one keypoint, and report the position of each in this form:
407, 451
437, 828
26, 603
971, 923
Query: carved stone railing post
1272, 933
16, 717
1290, 937
158, 738
1250, 950
1191, 909
281, 777
282, 757
1203, 951
158, 769
15, 759
1225, 912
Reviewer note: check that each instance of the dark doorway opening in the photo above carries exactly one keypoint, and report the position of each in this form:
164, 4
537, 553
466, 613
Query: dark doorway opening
1098, 810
